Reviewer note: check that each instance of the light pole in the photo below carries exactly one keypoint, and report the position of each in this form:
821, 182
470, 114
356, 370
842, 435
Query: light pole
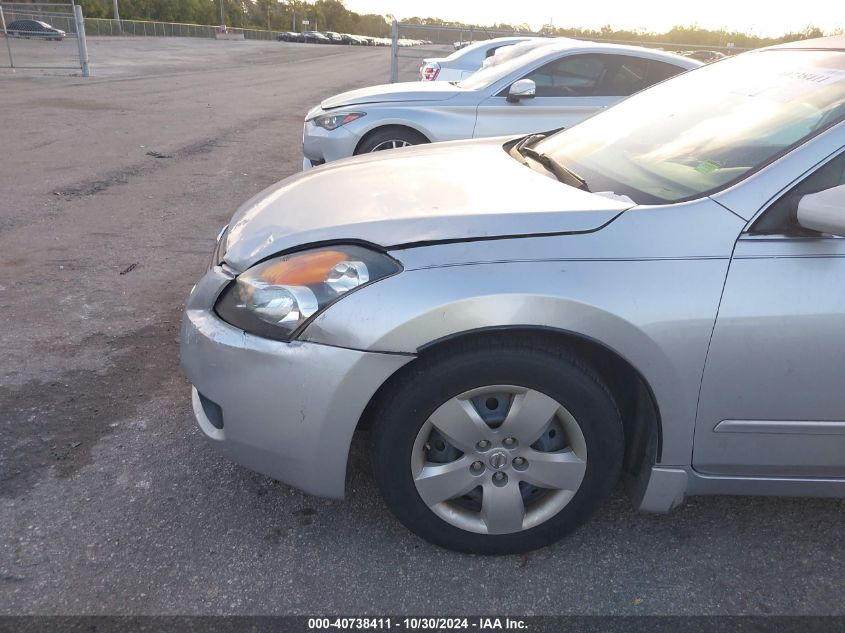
222, 19
117, 17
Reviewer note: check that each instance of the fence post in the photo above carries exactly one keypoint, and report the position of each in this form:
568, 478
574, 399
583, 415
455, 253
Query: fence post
6, 37
394, 52
80, 38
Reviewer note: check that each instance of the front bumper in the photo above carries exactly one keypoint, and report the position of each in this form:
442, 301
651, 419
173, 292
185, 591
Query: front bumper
288, 409
321, 146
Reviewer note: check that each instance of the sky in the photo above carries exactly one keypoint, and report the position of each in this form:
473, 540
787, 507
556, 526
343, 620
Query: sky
763, 18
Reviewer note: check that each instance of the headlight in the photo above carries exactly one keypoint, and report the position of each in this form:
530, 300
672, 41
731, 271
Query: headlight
278, 297
219, 248
336, 119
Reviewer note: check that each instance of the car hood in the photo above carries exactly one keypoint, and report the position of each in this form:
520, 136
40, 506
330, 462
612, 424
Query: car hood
463, 190
406, 91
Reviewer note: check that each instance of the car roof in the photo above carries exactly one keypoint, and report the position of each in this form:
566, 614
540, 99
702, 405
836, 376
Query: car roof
833, 42
583, 46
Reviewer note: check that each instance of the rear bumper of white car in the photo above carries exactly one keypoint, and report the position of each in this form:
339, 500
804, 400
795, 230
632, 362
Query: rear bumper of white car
448, 74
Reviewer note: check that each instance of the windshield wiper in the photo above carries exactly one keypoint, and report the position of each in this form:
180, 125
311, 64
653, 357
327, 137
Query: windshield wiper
561, 172
527, 140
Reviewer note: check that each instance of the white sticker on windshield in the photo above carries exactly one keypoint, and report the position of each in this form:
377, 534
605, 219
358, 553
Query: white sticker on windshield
791, 84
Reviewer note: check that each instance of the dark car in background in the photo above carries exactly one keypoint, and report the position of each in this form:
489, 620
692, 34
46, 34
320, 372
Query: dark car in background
705, 56
289, 36
314, 37
34, 29
334, 38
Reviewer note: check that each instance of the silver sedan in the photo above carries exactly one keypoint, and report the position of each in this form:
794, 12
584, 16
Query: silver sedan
548, 88
655, 295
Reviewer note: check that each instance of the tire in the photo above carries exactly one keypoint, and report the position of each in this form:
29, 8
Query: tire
390, 138
422, 401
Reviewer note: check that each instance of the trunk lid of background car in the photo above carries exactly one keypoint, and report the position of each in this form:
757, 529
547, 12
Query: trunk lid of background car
430, 193
407, 91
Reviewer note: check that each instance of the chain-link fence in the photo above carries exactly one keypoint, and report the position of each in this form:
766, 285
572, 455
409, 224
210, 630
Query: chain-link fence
43, 36
143, 28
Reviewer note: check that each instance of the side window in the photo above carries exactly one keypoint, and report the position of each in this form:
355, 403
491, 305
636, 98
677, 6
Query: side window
658, 71
625, 76
780, 218
573, 76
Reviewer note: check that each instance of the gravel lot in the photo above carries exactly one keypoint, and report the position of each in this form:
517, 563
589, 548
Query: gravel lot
113, 189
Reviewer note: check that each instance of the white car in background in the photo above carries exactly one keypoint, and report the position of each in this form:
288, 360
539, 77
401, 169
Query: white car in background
548, 88
506, 53
465, 61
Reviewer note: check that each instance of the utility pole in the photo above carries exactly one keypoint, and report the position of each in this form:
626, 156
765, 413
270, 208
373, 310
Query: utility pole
117, 17
222, 18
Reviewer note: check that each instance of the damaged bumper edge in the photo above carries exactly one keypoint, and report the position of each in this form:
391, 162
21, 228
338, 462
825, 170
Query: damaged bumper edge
284, 409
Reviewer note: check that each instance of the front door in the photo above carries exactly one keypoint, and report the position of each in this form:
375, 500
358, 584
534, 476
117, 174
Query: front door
773, 393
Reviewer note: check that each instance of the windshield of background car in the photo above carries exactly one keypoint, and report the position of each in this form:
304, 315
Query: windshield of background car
705, 129
490, 75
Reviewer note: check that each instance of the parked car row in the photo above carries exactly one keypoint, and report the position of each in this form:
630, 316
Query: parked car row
652, 295
331, 37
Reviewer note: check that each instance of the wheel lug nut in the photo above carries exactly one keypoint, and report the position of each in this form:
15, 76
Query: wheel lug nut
520, 463
509, 442
499, 478
476, 467
483, 445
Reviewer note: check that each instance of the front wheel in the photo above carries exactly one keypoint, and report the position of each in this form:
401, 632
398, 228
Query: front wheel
390, 138
497, 449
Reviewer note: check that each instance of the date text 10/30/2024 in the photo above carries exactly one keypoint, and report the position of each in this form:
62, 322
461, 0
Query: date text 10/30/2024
417, 624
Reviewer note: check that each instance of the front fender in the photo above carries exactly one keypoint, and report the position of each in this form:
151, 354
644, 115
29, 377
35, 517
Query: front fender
642, 310
447, 121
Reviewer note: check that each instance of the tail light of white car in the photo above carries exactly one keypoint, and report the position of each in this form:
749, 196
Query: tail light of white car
430, 71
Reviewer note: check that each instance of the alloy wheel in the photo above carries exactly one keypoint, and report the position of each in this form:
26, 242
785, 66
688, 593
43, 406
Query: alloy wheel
391, 144
498, 459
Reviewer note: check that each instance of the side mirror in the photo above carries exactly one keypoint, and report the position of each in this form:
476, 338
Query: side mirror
824, 211
522, 89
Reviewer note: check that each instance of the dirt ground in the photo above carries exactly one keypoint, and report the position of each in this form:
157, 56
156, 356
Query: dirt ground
113, 189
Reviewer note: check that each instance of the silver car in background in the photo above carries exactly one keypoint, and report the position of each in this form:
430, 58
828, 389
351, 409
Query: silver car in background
655, 294
548, 88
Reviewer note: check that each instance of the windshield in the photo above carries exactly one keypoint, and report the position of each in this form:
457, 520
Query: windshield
703, 130
491, 74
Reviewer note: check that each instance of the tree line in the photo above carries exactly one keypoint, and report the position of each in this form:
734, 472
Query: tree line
332, 15
678, 35
273, 15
